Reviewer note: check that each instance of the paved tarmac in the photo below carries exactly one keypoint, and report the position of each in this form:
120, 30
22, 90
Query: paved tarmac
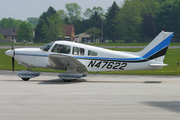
95, 97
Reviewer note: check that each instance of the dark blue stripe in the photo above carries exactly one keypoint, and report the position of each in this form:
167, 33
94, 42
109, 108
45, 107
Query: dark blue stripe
103, 58
42, 55
159, 47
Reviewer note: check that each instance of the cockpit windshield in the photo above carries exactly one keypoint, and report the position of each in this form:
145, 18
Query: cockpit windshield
47, 46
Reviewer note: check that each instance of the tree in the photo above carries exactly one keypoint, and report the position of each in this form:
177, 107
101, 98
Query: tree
62, 14
128, 22
43, 21
95, 21
25, 31
167, 16
88, 13
99, 11
74, 11
1, 37
81, 26
110, 23
164, 16
148, 6
10, 23
33, 21
55, 28
94, 31
148, 26
66, 20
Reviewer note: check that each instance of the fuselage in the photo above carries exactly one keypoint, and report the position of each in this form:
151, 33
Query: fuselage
94, 58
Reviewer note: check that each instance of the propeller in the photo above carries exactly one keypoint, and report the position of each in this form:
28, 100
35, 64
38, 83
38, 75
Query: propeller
13, 57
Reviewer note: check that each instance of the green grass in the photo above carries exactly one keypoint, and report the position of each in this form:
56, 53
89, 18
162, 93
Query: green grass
94, 44
172, 58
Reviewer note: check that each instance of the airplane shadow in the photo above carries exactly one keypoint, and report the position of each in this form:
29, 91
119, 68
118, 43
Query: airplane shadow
168, 105
59, 81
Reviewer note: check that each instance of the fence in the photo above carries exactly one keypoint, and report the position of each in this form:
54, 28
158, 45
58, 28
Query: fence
140, 40
114, 40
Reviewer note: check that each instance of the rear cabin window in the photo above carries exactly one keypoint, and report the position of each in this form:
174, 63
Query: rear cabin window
92, 53
78, 51
59, 48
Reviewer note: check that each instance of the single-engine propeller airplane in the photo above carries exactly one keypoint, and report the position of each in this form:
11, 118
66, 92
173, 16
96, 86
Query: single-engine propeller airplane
78, 58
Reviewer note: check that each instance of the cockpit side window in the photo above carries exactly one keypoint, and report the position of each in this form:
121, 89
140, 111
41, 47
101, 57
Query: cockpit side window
47, 46
78, 51
92, 53
59, 48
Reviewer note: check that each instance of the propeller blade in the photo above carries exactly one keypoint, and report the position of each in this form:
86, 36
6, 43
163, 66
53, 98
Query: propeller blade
13, 64
13, 57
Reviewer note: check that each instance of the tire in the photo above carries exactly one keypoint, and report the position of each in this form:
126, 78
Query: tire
66, 80
25, 79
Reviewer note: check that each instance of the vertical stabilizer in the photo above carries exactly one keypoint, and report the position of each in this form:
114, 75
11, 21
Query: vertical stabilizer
158, 47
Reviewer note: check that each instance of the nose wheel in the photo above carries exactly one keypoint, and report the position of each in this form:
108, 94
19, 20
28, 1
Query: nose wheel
25, 79
66, 80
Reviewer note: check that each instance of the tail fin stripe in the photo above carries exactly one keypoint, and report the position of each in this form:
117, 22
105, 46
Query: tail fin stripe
158, 54
159, 47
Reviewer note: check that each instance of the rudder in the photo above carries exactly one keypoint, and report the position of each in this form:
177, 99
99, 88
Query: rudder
158, 47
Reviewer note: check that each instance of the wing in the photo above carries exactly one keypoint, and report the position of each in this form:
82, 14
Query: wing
64, 62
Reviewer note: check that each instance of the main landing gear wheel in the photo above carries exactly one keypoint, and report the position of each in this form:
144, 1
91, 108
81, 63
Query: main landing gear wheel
25, 79
69, 80
66, 80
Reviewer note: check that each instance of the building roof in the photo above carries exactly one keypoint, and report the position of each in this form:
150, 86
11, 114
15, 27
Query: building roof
68, 29
83, 35
8, 31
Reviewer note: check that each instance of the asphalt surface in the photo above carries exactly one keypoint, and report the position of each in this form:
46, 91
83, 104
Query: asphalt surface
95, 97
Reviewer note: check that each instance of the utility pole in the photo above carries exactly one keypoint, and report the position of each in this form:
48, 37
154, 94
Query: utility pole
94, 33
102, 29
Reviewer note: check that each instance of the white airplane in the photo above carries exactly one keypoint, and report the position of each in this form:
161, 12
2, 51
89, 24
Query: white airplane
78, 58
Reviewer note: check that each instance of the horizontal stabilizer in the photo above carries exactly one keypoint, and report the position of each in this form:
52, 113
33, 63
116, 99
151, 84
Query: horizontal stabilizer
158, 65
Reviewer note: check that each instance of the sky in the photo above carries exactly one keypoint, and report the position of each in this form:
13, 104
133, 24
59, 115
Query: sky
23, 9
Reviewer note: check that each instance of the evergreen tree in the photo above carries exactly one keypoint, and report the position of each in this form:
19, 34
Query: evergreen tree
81, 26
44, 22
109, 28
148, 26
66, 20
164, 17
95, 20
